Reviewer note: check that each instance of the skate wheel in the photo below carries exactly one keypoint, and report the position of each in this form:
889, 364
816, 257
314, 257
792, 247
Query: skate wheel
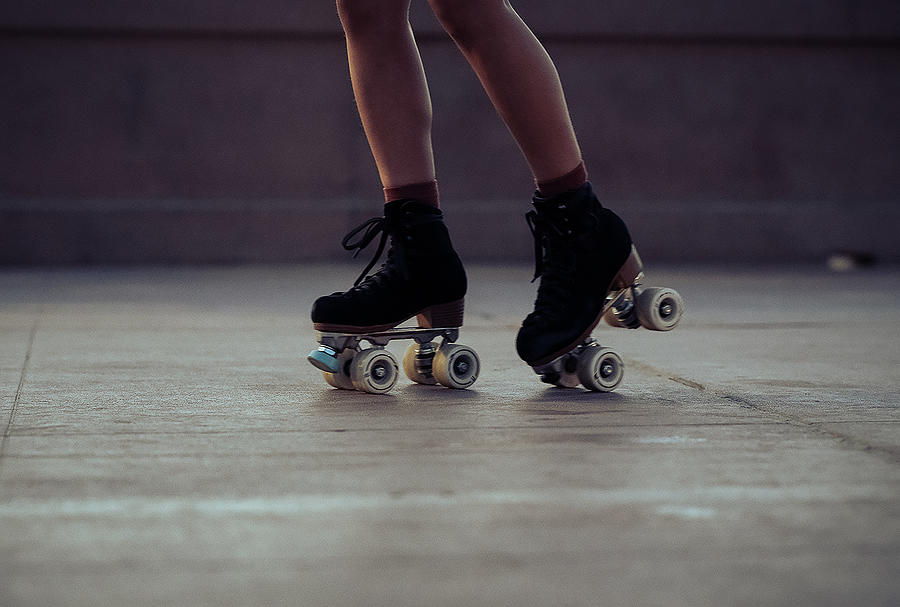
374, 371
566, 376
659, 309
456, 366
600, 369
341, 378
418, 363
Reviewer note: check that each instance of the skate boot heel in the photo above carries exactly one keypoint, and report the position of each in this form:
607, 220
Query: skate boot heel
630, 273
442, 315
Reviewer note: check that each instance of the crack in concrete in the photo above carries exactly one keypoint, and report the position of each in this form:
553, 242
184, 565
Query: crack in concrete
891, 454
12, 411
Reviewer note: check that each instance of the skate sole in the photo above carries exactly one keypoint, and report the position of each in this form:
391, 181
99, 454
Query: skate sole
448, 314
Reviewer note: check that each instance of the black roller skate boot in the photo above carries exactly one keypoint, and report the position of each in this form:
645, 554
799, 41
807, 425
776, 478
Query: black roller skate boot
583, 252
422, 276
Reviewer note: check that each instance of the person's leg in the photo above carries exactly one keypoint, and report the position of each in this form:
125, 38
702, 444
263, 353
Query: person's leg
390, 89
422, 276
519, 78
582, 250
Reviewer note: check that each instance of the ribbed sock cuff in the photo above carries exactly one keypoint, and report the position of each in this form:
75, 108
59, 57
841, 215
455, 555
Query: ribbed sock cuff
426, 192
572, 180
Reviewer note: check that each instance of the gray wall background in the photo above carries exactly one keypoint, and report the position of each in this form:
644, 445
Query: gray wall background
201, 131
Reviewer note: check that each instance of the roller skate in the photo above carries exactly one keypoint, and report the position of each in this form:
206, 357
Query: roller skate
422, 278
589, 270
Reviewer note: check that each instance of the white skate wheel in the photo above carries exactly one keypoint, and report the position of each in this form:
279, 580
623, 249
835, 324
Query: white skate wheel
374, 371
659, 309
340, 379
419, 368
456, 366
568, 372
600, 369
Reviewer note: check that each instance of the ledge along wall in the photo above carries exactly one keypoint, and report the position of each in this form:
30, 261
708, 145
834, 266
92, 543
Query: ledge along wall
197, 132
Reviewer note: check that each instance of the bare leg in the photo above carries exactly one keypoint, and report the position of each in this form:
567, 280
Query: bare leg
390, 88
422, 276
519, 77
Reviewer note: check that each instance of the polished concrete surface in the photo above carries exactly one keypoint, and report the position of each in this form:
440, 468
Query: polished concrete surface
165, 443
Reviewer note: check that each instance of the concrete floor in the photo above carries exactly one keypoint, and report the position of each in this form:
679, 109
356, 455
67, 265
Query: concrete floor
165, 443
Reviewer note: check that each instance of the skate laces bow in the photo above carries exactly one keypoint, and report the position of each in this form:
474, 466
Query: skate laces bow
369, 229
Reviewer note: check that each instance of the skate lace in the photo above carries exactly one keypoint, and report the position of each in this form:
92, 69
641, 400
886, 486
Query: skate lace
554, 264
370, 230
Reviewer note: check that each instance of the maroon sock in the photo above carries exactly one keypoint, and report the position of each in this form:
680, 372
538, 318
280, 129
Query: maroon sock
572, 180
426, 192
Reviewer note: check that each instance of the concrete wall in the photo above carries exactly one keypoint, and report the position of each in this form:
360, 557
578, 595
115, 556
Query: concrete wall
206, 131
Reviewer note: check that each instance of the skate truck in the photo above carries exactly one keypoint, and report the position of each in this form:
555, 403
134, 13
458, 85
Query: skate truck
347, 365
601, 369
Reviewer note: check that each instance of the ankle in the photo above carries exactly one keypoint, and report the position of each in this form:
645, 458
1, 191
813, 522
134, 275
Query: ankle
426, 192
572, 180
